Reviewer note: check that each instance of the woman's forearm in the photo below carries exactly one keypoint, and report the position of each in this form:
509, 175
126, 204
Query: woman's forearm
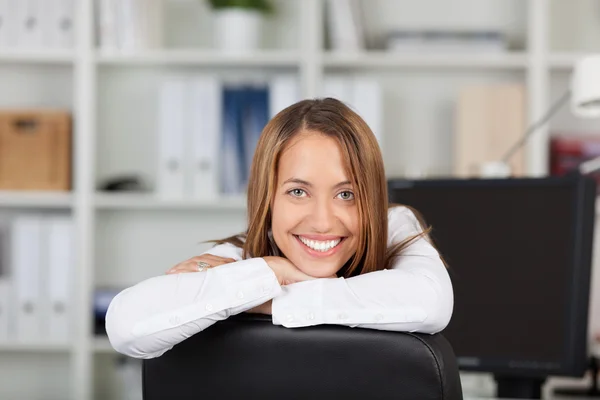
148, 319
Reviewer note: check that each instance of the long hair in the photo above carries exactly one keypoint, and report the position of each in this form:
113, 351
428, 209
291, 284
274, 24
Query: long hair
363, 163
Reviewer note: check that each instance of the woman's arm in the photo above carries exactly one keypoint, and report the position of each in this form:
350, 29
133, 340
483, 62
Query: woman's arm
414, 296
148, 319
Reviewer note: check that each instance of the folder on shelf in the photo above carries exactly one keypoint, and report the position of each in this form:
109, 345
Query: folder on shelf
107, 24
204, 116
8, 23
489, 120
284, 90
170, 182
26, 268
59, 263
339, 87
255, 117
4, 308
232, 151
5, 283
29, 25
367, 101
345, 26
58, 23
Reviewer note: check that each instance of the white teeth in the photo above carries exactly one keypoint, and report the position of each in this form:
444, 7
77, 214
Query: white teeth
318, 245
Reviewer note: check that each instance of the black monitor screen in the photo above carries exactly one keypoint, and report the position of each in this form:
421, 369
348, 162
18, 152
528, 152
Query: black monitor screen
509, 250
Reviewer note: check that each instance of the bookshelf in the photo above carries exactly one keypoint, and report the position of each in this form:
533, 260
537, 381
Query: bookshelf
163, 232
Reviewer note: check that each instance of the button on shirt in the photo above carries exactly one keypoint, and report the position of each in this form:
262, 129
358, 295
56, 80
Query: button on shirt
415, 295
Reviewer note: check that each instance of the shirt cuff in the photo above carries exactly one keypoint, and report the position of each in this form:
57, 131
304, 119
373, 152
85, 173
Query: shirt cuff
332, 301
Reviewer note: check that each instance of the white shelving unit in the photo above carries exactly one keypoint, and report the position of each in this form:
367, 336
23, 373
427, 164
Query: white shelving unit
105, 222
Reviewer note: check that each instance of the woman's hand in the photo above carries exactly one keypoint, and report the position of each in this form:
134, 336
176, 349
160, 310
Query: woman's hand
285, 271
191, 265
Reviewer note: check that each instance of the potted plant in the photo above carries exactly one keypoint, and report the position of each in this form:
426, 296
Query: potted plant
238, 23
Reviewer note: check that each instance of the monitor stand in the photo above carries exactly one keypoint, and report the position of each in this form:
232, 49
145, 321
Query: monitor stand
592, 391
514, 387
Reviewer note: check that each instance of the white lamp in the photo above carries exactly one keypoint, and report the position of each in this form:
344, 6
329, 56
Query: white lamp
584, 92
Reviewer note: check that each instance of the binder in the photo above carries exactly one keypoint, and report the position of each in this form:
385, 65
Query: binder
29, 26
107, 25
489, 120
6, 322
232, 151
60, 263
171, 145
26, 269
4, 309
368, 103
284, 91
62, 24
204, 117
255, 117
8, 23
339, 87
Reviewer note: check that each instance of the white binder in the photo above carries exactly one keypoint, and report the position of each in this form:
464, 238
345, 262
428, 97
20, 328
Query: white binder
4, 309
170, 181
29, 25
6, 320
26, 268
284, 91
107, 25
8, 23
339, 87
368, 103
204, 132
62, 24
59, 263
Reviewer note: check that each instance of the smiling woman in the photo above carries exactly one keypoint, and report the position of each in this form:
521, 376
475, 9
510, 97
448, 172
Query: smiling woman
322, 246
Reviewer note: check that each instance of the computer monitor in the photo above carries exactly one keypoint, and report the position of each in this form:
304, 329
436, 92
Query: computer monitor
519, 253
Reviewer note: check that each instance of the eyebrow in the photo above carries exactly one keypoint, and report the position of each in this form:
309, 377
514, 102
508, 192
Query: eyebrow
308, 184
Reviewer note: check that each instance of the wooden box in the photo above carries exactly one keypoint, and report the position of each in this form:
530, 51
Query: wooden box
35, 150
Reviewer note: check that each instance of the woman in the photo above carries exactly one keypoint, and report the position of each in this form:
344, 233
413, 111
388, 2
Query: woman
317, 210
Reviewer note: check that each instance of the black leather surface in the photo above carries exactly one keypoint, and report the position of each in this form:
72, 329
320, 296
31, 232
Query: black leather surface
247, 357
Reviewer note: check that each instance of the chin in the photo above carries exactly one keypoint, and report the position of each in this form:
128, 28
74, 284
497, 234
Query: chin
317, 270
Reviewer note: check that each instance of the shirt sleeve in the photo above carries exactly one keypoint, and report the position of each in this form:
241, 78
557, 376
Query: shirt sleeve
148, 319
414, 296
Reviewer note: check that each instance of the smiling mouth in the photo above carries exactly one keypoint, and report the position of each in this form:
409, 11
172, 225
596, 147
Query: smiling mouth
321, 246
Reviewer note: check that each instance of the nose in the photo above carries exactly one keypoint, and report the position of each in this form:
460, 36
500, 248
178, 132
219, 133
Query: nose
323, 216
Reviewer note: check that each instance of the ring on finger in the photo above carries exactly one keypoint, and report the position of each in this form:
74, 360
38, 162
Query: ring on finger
202, 266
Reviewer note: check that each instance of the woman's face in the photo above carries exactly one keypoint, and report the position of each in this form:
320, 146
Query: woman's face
315, 218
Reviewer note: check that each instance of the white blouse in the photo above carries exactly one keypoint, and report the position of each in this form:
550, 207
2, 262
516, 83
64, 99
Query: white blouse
148, 319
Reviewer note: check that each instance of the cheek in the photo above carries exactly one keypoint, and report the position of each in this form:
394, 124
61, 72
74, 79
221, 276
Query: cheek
284, 219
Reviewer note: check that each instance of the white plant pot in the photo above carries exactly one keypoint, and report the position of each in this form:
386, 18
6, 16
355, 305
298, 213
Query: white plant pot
237, 30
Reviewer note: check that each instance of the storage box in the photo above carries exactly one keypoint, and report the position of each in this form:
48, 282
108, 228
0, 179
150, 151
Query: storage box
35, 150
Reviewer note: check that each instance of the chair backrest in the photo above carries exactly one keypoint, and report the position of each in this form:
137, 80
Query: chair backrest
248, 357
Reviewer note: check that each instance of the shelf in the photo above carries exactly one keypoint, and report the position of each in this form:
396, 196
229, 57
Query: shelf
35, 199
191, 57
102, 345
564, 60
34, 347
151, 202
382, 59
37, 56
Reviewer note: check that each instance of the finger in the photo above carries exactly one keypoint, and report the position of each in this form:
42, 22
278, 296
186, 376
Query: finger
212, 259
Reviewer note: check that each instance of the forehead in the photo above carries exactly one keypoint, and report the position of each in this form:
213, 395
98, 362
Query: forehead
312, 155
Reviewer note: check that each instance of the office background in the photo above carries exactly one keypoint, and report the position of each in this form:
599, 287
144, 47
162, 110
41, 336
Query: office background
422, 81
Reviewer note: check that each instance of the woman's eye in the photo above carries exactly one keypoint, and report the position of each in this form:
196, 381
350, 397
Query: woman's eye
296, 192
346, 195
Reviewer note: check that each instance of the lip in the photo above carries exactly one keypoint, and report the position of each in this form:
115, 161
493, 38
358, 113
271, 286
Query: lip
321, 237
320, 254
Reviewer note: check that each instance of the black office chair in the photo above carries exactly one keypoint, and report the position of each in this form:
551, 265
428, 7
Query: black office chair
246, 356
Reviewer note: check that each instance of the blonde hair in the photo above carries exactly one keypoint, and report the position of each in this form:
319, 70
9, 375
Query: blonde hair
363, 163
